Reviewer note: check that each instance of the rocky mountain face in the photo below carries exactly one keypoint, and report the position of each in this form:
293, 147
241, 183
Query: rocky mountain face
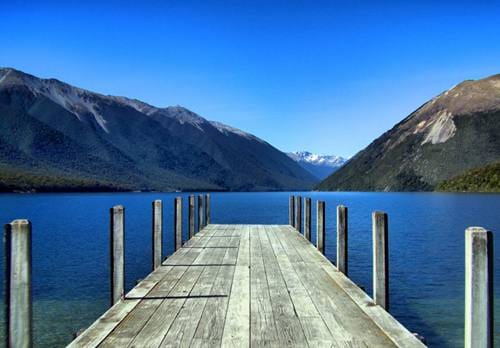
54, 130
321, 166
452, 133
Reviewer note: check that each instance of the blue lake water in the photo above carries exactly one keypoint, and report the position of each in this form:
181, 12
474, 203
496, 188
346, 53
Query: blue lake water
426, 243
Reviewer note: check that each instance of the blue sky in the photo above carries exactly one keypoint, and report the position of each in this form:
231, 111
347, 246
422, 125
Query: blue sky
328, 77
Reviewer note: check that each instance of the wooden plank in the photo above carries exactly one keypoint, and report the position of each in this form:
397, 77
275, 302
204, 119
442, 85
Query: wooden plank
127, 329
263, 330
112, 317
152, 334
390, 326
313, 326
299, 296
387, 323
211, 325
158, 325
237, 324
292, 254
122, 319
344, 318
133, 323
288, 327
308, 253
182, 330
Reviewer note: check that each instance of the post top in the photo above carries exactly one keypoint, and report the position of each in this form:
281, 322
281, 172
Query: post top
118, 207
20, 222
379, 212
157, 201
476, 230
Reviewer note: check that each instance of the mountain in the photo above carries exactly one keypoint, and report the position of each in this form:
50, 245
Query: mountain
321, 166
55, 133
452, 133
483, 179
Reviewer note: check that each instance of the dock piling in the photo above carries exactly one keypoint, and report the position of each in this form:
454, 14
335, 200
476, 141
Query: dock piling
19, 313
207, 209
291, 210
478, 287
307, 218
117, 255
177, 223
157, 233
342, 239
380, 259
320, 227
191, 216
298, 213
200, 212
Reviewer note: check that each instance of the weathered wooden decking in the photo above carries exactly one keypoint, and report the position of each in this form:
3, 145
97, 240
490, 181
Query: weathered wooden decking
246, 285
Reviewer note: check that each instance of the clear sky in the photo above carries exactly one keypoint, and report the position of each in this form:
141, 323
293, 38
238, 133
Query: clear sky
323, 76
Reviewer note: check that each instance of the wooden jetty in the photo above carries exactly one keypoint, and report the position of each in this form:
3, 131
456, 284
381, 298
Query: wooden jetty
249, 286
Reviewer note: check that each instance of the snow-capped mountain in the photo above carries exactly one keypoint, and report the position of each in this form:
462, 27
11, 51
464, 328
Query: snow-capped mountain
321, 166
54, 132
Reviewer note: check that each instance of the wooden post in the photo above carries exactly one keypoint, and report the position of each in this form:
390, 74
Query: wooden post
117, 254
320, 227
19, 313
200, 212
291, 211
298, 214
307, 219
207, 209
380, 259
157, 233
342, 239
177, 223
191, 216
478, 287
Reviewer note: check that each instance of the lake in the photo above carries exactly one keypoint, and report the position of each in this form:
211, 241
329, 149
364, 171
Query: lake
426, 244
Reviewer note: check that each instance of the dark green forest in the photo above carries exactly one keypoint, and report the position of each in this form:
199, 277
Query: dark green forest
483, 179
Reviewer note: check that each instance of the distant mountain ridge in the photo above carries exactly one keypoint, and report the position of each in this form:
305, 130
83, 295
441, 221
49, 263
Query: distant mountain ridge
51, 129
320, 166
452, 133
